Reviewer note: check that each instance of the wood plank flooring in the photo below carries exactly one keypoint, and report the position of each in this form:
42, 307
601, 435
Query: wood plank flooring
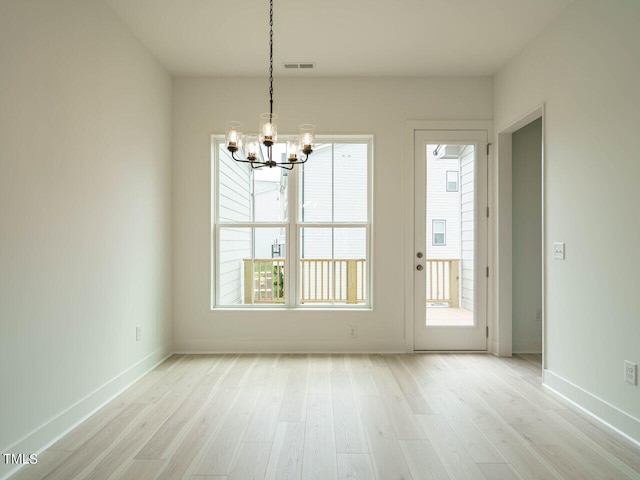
423, 416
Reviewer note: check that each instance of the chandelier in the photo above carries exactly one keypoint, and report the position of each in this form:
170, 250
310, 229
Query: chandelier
297, 147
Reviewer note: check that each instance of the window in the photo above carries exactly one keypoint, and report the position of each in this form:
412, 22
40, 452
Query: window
439, 232
293, 238
452, 181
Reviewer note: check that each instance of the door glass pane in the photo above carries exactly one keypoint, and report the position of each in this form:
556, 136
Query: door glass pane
450, 235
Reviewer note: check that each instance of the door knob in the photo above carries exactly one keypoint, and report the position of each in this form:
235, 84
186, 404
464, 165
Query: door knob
419, 268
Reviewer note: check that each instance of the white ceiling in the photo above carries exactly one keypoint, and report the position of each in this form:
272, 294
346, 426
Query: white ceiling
343, 37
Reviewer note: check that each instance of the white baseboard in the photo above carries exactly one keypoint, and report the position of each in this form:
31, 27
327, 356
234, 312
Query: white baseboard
50, 432
527, 345
290, 346
600, 409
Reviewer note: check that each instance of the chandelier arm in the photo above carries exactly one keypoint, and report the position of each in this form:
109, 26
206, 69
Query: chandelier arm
260, 165
233, 155
297, 162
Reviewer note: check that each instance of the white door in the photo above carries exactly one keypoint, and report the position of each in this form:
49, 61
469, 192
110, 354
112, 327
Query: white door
450, 243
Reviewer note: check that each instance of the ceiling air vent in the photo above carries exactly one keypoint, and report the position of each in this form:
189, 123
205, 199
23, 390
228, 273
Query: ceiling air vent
299, 66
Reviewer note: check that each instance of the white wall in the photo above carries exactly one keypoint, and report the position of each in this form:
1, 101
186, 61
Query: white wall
527, 234
585, 68
85, 215
337, 106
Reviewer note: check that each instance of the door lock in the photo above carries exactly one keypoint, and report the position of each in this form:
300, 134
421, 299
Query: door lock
419, 254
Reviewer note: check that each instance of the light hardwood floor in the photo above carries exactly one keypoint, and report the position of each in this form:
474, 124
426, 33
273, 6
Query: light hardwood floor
425, 416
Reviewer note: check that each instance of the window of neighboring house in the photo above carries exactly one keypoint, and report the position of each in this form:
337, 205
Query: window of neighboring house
293, 238
439, 232
452, 181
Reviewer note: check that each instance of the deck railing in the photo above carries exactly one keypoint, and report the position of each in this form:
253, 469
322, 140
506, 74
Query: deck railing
264, 280
443, 280
321, 280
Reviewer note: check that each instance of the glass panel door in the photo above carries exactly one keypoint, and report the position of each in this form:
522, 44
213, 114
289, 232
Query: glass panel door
450, 242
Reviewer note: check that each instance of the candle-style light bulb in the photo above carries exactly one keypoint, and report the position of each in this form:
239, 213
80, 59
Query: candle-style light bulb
306, 137
268, 129
251, 146
234, 136
292, 150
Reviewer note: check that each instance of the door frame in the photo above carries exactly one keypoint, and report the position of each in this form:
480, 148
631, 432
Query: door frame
411, 126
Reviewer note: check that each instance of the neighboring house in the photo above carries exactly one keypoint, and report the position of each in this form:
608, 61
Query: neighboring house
450, 211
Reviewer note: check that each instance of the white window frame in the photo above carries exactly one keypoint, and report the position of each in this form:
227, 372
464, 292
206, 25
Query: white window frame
457, 181
434, 233
292, 226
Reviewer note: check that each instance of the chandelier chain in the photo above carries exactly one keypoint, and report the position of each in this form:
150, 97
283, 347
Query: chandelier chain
270, 59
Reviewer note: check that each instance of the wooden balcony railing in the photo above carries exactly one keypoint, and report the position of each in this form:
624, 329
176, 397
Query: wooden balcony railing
443, 280
339, 280
263, 280
321, 280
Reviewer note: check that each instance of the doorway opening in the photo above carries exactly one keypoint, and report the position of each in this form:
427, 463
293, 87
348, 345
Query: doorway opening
520, 300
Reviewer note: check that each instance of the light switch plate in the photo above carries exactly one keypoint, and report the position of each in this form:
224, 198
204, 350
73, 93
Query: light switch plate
558, 250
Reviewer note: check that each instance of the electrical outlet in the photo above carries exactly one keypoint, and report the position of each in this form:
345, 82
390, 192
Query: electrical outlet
558, 250
138, 333
630, 372
353, 331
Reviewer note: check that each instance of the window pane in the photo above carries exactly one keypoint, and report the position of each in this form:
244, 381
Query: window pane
350, 253
316, 202
316, 265
350, 242
350, 182
439, 232
333, 184
246, 195
247, 278
452, 181
234, 188
268, 274
270, 193
333, 279
235, 248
